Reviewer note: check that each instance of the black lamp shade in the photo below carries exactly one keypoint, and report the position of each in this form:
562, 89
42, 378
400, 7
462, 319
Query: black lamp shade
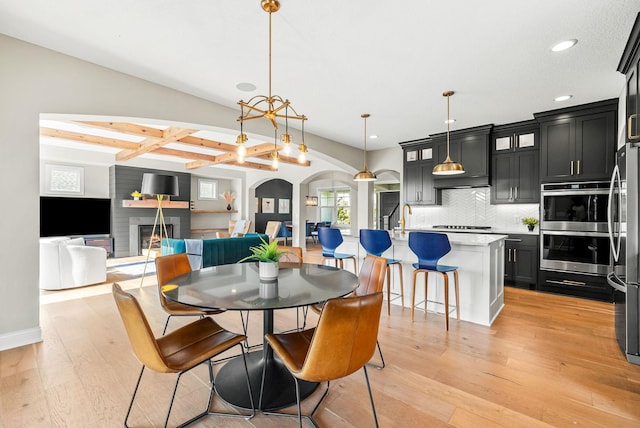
158, 184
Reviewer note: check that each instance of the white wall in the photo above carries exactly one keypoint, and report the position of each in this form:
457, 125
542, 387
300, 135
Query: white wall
33, 81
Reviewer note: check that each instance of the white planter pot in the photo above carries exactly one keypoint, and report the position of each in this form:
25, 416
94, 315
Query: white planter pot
268, 270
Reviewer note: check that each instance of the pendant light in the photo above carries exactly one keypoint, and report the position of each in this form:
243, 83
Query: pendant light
448, 167
365, 174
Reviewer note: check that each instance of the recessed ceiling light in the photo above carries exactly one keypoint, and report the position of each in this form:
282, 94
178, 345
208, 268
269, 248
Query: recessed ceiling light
373, 137
450, 121
562, 98
246, 87
562, 46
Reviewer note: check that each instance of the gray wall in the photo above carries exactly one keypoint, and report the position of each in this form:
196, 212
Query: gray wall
34, 80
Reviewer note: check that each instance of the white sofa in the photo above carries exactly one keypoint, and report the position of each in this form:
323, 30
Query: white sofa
68, 263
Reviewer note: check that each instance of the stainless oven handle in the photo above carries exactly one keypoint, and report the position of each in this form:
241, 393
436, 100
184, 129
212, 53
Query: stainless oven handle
575, 233
615, 282
615, 177
567, 282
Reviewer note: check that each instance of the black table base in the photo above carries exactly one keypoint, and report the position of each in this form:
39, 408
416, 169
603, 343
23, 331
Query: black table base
279, 386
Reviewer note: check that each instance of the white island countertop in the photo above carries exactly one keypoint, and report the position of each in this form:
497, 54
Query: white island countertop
462, 238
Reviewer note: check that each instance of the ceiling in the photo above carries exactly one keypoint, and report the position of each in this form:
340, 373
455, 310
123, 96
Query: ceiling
335, 60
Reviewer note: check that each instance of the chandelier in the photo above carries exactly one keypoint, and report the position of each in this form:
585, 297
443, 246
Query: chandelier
448, 167
365, 174
270, 107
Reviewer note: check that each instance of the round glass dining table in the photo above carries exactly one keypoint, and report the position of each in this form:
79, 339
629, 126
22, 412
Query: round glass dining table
238, 287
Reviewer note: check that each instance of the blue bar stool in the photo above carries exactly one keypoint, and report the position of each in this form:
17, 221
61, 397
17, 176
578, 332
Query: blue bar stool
330, 239
429, 248
376, 242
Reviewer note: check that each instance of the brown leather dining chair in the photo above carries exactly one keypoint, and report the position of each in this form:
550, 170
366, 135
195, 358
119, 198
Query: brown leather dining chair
178, 351
342, 343
370, 280
293, 256
170, 267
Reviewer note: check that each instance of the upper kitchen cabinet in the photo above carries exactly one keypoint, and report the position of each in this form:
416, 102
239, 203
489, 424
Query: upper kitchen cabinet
578, 143
515, 137
469, 147
417, 177
515, 163
630, 67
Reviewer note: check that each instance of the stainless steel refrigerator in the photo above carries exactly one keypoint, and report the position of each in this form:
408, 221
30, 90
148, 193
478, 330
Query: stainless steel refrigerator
624, 238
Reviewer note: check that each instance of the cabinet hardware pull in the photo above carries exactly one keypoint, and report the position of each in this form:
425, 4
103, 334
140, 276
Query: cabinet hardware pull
509, 255
571, 167
513, 240
515, 255
567, 282
510, 193
510, 141
515, 192
516, 142
578, 167
629, 128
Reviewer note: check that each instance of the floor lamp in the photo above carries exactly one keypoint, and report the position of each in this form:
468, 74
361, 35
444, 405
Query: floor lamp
160, 186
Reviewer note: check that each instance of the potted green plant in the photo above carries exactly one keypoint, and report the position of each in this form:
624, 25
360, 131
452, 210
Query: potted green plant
531, 222
267, 255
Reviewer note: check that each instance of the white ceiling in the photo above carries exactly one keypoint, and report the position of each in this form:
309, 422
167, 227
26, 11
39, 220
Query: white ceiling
336, 59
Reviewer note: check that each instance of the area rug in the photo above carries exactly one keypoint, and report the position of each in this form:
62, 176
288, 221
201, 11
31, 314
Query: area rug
134, 268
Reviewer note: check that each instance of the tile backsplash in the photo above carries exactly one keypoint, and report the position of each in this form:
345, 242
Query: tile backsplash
471, 207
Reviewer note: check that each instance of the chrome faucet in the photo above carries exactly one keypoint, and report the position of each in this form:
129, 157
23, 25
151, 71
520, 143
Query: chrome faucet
402, 220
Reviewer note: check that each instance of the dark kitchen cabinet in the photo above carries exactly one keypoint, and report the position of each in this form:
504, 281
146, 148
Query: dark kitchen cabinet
515, 164
578, 143
630, 66
521, 261
515, 137
418, 177
575, 284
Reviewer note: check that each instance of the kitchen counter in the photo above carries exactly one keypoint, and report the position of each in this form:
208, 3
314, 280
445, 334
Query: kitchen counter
500, 231
480, 261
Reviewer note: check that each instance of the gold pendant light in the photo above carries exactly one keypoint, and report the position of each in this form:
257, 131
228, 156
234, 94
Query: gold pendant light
448, 167
365, 174
270, 107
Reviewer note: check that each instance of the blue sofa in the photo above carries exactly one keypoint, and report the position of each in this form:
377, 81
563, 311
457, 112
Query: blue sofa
218, 251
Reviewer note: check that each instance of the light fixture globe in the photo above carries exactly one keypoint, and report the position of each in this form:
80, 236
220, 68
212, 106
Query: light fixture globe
448, 167
365, 174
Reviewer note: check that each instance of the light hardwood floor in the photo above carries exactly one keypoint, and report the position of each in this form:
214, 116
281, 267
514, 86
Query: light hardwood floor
548, 360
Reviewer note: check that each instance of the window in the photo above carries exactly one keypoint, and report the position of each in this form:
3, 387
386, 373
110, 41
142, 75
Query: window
207, 189
335, 206
64, 179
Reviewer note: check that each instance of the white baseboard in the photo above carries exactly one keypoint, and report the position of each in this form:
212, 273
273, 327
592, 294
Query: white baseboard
20, 338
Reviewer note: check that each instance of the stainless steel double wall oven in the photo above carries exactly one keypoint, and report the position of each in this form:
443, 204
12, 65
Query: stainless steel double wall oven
573, 228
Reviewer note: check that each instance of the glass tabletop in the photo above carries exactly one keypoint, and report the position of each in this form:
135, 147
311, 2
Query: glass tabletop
238, 286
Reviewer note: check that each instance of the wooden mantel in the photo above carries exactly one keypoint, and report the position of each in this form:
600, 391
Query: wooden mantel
153, 203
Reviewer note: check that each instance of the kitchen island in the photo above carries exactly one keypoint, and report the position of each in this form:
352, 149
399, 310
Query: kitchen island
480, 261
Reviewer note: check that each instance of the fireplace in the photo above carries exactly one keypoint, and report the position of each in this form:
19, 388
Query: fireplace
145, 236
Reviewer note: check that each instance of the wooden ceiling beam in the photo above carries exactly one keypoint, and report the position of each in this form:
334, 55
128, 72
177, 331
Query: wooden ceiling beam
156, 139
90, 139
126, 128
169, 135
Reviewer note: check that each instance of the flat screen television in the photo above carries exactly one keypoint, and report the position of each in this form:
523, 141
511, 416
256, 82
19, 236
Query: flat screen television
74, 216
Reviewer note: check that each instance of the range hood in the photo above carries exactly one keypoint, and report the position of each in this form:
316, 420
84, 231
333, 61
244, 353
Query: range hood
471, 148
460, 182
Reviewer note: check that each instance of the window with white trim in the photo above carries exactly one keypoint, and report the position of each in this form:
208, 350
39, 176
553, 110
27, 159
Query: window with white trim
335, 206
